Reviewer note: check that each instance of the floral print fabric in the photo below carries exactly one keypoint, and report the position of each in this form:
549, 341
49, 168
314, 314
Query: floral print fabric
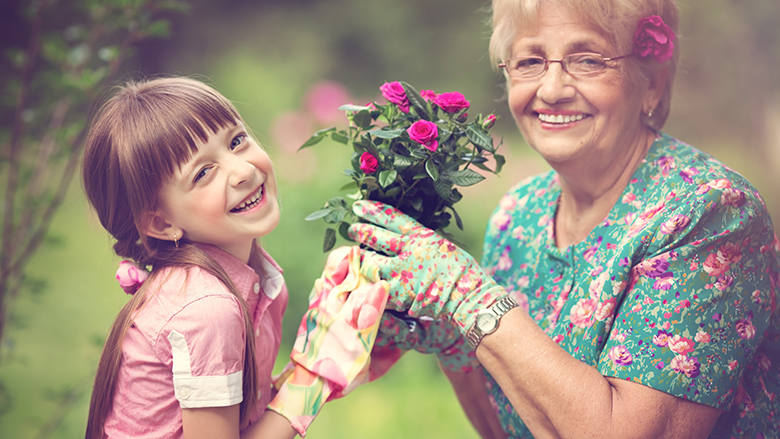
675, 289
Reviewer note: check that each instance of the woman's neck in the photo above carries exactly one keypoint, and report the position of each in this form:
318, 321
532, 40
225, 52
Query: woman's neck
589, 192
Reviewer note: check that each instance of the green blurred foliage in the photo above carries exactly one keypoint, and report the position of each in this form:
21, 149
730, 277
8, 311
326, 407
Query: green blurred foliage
267, 56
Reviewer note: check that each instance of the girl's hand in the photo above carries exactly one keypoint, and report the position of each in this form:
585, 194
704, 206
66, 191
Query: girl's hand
334, 342
428, 275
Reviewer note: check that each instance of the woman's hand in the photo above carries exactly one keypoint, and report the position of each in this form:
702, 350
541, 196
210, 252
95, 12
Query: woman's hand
428, 275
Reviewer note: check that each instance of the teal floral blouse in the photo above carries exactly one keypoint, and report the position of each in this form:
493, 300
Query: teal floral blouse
675, 289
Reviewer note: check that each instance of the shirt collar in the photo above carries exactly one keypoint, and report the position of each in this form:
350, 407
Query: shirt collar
261, 270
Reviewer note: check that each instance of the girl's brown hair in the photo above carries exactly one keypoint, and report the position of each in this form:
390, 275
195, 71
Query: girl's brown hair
137, 140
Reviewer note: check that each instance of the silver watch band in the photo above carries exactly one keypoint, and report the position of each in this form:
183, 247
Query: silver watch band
502, 306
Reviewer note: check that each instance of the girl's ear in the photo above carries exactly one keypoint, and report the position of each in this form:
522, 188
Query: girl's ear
159, 227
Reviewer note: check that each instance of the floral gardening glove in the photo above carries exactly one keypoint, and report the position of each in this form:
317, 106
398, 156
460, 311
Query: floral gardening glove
332, 350
429, 276
427, 336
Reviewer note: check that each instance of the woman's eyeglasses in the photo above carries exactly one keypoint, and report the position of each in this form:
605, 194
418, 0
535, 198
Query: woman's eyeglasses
576, 64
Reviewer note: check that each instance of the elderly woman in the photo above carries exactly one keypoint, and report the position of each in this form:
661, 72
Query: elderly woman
645, 270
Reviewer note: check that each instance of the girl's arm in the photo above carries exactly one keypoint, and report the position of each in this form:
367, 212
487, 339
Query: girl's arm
223, 422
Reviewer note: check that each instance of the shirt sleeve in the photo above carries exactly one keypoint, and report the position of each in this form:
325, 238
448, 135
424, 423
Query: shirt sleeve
698, 304
207, 343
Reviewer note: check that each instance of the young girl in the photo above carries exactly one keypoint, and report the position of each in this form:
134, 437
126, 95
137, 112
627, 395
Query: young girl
177, 180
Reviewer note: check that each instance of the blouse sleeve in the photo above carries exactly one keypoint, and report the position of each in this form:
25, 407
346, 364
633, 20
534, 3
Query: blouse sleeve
206, 343
698, 303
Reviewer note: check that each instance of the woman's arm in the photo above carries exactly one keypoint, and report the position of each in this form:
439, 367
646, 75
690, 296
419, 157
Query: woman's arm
472, 394
557, 395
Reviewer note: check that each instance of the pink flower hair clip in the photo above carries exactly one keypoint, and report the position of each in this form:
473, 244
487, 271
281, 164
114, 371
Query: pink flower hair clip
654, 38
130, 276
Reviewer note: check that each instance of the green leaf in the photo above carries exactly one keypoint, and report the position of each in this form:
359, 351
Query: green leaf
387, 177
349, 186
432, 170
384, 133
317, 137
343, 230
330, 239
444, 189
458, 220
401, 161
417, 101
362, 119
465, 177
318, 214
352, 107
340, 137
479, 138
500, 160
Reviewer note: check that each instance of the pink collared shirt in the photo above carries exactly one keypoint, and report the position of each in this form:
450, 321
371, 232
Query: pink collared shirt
185, 348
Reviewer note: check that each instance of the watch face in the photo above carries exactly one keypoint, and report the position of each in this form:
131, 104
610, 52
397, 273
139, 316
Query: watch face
487, 323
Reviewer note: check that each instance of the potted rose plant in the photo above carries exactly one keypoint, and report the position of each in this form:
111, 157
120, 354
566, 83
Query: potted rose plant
413, 153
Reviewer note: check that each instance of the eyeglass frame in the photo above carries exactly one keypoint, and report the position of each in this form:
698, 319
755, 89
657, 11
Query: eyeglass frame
504, 64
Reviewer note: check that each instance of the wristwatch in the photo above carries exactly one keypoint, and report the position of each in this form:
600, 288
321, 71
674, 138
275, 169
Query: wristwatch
487, 320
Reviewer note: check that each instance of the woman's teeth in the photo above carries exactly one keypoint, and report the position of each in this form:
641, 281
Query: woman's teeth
250, 203
560, 118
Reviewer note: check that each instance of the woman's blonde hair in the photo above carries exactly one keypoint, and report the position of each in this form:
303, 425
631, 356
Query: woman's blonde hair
616, 20
136, 141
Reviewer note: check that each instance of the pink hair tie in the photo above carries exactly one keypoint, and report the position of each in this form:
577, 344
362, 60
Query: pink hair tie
654, 38
130, 276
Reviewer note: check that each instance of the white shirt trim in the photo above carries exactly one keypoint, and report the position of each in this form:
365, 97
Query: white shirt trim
201, 391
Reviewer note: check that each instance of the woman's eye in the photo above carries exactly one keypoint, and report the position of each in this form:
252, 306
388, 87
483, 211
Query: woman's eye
528, 63
237, 141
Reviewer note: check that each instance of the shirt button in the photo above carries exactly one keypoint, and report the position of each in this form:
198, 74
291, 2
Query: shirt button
185, 393
256, 288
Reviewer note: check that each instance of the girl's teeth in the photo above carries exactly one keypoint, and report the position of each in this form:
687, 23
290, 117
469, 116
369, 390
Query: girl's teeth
250, 203
560, 118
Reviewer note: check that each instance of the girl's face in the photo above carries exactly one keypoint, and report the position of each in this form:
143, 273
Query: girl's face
225, 195
587, 120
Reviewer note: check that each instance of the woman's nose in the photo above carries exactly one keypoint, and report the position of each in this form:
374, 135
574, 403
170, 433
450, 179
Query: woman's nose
555, 85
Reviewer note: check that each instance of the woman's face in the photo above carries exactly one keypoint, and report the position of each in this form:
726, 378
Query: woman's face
587, 120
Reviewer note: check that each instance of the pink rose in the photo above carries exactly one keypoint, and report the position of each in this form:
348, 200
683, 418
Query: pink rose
582, 312
130, 276
654, 38
451, 102
395, 93
424, 133
661, 338
729, 252
745, 329
368, 163
428, 95
489, 121
620, 356
680, 345
715, 266
675, 224
685, 365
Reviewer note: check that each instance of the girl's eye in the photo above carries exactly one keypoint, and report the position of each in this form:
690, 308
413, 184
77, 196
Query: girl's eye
201, 173
237, 141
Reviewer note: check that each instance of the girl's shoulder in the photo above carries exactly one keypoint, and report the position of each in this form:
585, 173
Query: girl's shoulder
185, 294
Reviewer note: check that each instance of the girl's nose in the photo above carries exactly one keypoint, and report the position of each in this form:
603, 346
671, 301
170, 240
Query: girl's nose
555, 85
241, 171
